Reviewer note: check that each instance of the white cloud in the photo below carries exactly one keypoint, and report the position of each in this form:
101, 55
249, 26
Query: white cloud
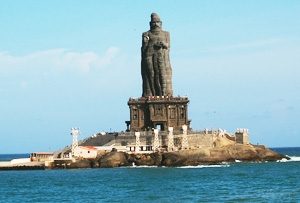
59, 59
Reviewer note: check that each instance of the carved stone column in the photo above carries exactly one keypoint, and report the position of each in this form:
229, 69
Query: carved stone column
137, 141
185, 143
155, 146
170, 139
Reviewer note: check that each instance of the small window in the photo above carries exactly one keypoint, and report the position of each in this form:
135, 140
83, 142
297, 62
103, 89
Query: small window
134, 114
158, 110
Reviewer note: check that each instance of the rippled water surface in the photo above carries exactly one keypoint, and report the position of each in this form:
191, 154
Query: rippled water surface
248, 182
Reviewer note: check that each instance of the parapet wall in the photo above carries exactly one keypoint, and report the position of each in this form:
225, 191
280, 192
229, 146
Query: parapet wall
194, 140
201, 140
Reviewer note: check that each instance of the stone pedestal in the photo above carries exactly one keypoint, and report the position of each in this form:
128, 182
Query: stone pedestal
158, 112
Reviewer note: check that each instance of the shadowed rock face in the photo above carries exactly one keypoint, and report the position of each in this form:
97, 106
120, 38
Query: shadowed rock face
153, 159
82, 164
155, 65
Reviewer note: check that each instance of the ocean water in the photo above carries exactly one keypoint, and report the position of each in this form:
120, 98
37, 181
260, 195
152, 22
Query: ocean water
8, 157
229, 182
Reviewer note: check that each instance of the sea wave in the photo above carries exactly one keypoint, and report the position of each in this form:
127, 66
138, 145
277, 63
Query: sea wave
205, 166
198, 166
292, 158
142, 166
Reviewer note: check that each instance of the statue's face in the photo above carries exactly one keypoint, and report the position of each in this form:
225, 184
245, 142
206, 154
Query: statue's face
155, 25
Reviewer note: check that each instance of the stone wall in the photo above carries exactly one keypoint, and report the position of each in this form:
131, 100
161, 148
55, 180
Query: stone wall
242, 136
194, 140
124, 140
201, 140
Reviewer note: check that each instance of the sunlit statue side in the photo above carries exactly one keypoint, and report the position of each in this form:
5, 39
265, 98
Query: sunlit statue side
155, 65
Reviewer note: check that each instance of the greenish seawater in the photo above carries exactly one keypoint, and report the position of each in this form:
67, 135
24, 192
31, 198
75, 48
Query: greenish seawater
236, 182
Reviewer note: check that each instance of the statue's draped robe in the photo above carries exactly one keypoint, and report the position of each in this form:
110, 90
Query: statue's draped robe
155, 65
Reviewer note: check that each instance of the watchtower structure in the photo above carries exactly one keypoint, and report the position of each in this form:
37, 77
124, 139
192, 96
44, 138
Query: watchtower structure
74, 132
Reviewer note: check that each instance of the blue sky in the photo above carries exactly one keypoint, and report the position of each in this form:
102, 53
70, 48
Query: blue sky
70, 64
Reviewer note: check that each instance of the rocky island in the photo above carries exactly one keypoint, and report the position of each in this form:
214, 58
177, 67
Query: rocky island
191, 157
222, 150
158, 132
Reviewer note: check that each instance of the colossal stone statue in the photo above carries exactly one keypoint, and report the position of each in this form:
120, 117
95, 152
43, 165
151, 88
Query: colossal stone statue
155, 65
157, 108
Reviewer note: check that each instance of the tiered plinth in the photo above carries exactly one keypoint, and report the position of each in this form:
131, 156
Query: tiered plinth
158, 112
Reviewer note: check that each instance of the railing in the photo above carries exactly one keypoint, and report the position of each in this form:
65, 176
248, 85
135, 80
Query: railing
153, 98
178, 132
208, 131
143, 133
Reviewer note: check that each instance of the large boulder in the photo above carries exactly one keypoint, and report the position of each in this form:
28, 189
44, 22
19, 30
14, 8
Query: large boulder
113, 159
252, 153
153, 159
266, 154
216, 155
235, 152
185, 157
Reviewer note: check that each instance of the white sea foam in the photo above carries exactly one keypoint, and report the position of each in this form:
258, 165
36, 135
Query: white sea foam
199, 166
143, 166
205, 166
292, 158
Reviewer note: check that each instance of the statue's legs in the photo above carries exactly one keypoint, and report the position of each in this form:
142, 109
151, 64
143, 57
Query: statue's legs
157, 76
168, 69
146, 85
162, 72
169, 88
146, 89
150, 76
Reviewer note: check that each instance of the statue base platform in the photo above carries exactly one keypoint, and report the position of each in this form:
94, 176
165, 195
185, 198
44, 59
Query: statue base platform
158, 112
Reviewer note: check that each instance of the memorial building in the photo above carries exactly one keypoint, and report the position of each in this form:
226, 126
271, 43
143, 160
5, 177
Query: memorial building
157, 108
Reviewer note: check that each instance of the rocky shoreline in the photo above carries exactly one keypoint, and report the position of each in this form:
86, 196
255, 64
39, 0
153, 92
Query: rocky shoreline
190, 157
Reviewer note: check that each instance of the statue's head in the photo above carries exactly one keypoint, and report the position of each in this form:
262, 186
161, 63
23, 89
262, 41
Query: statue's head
155, 22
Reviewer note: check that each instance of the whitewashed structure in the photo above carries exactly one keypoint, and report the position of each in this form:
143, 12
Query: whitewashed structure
86, 152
